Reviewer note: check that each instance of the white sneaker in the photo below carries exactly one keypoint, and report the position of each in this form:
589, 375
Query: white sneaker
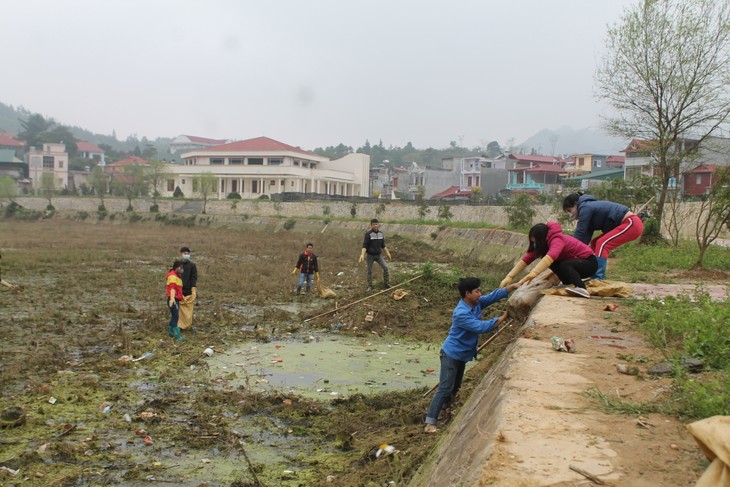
579, 291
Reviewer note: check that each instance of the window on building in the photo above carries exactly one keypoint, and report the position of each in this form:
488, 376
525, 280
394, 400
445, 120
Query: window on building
254, 186
468, 181
476, 183
60, 164
276, 162
313, 165
235, 161
297, 162
48, 162
581, 161
195, 185
183, 181
698, 178
217, 161
171, 185
292, 184
255, 161
282, 183
234, 186
272, 182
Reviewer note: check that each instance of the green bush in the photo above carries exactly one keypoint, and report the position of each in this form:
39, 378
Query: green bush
178, 193
155, 208
520, 211
233, 196
289, 224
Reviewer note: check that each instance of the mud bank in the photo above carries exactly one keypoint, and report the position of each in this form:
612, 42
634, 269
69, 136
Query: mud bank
531, 419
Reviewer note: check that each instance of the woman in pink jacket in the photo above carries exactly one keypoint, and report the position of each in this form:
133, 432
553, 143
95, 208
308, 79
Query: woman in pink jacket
570, 259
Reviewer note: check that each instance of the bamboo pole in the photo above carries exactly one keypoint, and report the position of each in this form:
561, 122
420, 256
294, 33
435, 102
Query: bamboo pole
363, 299
489, 340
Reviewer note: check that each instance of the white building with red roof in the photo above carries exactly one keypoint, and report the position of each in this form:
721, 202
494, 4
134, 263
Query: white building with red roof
184, 143
87, 150
264, 166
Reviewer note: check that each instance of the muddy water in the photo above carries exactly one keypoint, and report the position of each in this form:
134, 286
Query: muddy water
329, 366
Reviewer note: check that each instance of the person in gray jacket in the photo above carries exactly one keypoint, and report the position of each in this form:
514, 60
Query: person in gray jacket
617, 224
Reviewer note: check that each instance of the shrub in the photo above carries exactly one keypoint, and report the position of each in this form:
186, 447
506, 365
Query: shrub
155, 208
233, 196
444, 212
264, 197
289, 224
178, 193
521, 211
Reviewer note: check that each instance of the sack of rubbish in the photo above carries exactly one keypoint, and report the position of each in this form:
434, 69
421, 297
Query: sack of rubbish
560, 345
324, 291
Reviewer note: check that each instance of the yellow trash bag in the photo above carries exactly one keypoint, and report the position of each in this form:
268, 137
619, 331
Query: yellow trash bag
606, 289
187, 303
713, 437
324, 291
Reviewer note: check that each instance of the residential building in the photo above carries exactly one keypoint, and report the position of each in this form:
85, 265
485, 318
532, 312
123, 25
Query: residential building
53, 160
7, 142
697, 181
459, 175
87, 150
11, 166
535, 174
184, 143
264, 166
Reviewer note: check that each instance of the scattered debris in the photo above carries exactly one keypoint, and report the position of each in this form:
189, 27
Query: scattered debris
627, 369
9, 471
12, 417
399, 294
208, 352
385, 449
587, 475
561, 345
611, 307
144, 356
643, 422
667, 368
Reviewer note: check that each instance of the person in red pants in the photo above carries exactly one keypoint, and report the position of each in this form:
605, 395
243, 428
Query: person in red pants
617, 224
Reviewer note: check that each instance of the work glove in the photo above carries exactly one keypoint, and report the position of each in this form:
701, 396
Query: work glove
544, 263
515, 270
362, 255
294, 271
317, 274
171, 302
193, 293
387, 254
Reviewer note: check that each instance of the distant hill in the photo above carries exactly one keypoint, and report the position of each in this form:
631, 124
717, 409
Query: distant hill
568, 141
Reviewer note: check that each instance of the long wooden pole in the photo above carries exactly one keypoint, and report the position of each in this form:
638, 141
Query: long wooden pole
363, 299
489, 340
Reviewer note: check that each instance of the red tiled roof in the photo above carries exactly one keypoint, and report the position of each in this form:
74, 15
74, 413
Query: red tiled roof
83, 146
259, 144
450, 192
705, 168
639, 145
131, 160
9, 141
620, 159
204, 140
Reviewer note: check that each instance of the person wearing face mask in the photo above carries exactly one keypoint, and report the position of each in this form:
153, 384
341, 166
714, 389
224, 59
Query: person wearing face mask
570, 259
173, 293
617, 224
189, 289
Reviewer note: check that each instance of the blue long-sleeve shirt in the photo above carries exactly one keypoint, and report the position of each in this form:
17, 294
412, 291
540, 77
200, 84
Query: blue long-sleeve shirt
467, 325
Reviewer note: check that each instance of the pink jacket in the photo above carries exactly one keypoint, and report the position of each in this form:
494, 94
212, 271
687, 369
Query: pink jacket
561, 246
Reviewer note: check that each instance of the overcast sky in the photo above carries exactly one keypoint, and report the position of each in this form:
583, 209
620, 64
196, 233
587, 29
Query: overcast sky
309, 73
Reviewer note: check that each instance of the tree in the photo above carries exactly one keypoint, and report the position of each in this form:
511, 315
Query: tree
714, 212
48, 188
521, 211
99, 182
206, 184
8, 189
130, 184
60, 135
157, 173
32, 128
665, 72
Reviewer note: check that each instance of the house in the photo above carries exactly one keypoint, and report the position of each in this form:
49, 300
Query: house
698, 180
465, 173
264, 166
87, 150
535, 173
53, 160
119, 170
7, 142
11, 166
183, 143
453, 193
641, 156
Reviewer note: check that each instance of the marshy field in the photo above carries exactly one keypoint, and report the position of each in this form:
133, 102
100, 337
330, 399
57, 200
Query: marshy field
289, 392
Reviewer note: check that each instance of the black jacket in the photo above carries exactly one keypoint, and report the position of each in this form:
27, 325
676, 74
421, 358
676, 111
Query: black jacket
374, 242
189, 277
307, 265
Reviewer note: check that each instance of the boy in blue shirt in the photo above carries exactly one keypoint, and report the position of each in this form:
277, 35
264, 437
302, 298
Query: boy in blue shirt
460, 345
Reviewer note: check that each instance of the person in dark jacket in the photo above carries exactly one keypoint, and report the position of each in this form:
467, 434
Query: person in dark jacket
460, 345
570, 259
617, 224
307, 266
190, 274
373, 246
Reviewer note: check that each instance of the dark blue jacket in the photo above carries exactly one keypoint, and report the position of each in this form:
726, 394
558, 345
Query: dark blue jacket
597, 215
